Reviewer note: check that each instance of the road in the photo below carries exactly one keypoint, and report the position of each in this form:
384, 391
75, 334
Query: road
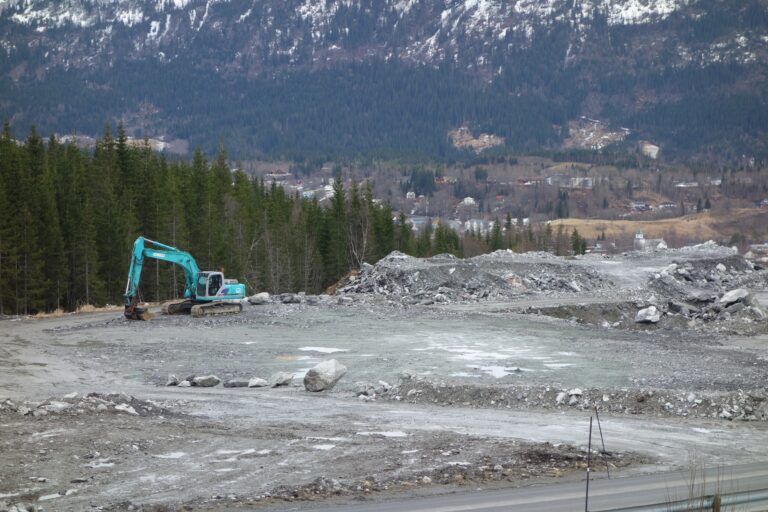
567, 497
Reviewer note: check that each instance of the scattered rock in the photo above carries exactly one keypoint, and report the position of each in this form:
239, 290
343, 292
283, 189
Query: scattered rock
172, 381
324, 376
185, 384
280, 379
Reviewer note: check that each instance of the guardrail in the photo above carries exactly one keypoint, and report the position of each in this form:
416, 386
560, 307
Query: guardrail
713, 503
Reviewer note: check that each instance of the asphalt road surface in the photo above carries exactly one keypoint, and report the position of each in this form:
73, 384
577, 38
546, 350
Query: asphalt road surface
604, 494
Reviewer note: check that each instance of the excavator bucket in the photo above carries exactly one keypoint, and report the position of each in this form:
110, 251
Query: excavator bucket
136, 312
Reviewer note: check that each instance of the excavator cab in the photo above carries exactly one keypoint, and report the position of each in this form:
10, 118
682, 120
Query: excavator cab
209, 284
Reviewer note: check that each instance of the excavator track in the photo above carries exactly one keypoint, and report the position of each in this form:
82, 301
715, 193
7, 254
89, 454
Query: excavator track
216, 308
177, 307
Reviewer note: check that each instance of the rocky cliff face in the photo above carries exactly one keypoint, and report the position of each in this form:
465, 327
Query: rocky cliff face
620, 54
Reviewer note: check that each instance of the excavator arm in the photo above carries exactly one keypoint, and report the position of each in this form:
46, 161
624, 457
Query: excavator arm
146, 248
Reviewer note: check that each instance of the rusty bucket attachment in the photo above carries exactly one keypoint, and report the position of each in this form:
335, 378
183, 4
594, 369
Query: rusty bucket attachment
136, 312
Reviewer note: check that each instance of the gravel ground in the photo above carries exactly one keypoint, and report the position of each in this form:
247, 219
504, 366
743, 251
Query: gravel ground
474, 377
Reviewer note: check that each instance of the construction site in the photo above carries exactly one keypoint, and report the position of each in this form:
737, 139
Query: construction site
415, 377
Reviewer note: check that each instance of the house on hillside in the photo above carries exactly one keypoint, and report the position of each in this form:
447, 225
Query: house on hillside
648, 244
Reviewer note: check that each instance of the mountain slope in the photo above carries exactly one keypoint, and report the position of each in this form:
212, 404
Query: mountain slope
352, 77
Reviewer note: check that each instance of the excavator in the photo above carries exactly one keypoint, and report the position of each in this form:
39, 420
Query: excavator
205, 293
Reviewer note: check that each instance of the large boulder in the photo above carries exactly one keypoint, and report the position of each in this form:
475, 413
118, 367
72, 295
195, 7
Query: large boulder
259, 299
206, 381
737, 295
649, 315
324, 376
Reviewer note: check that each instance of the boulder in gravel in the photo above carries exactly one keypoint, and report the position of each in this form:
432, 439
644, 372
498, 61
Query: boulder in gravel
172, 381
649, 315
289, 298
324, 375
259, 299
185, 384
721, 268
737, 295
257, 382
206, 381
236, 383
280, 379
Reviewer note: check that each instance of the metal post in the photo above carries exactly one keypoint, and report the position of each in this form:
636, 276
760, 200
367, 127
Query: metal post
589, 459
600, 429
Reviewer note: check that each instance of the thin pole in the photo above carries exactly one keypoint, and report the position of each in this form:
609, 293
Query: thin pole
600, 428
589, 459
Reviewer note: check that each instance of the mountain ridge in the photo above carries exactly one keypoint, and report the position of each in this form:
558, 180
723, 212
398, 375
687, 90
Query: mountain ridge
629, 62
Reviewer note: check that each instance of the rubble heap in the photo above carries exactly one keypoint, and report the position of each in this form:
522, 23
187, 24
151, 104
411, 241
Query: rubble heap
74, 405
446, 278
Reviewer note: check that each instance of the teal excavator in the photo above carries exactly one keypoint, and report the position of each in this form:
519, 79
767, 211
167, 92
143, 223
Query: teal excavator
205, 293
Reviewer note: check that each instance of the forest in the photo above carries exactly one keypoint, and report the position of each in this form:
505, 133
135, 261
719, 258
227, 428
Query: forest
68, 219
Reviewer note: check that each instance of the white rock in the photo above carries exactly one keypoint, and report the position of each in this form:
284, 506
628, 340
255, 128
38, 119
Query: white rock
575, 392
560, 397
649, 315
70, 396
721, 268
126, 408
172, 381
691, 398
324, 375
259, 299
185, 384
737, 295
257, 382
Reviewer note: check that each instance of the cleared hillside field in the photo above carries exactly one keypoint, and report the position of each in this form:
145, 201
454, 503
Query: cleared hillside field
710, 225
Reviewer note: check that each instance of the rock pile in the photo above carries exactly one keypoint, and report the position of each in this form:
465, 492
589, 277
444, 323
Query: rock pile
206, 381
741, 405
445, 278
74, 404
706, 306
